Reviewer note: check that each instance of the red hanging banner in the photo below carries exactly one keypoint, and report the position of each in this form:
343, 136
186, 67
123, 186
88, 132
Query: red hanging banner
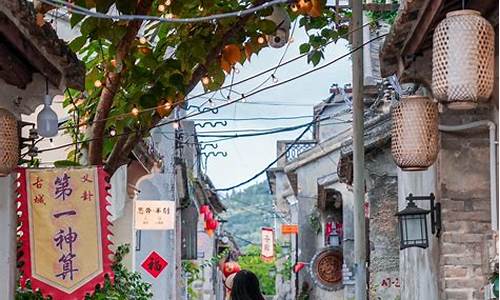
64, 230
267, 244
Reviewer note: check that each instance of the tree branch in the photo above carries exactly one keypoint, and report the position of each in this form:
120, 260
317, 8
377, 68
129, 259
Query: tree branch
112, 84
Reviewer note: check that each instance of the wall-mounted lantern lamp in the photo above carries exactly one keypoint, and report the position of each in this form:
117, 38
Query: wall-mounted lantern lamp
413, 222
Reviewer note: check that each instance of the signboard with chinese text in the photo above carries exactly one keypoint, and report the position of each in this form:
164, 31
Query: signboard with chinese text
154, 215
154, 264
289, 228
267, 244
64, 230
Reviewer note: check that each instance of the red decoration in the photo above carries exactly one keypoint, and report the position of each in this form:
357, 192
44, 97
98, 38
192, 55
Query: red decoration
298, 266
26, 238
154, 264
211, 224
230, 267
204, 210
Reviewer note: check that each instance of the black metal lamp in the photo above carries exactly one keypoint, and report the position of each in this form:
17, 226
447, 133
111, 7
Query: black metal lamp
413, 222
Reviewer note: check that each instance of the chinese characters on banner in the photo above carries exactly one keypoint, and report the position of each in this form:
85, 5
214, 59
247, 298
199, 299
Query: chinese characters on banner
154, 215
64, 229
154, 264
267, 244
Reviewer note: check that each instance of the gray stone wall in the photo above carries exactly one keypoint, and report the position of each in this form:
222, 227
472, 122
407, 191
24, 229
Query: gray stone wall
382, 196
465, 199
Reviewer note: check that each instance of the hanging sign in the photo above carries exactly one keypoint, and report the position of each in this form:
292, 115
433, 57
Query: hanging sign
267, 244
154, 215
64, 230
154, 264
289, 229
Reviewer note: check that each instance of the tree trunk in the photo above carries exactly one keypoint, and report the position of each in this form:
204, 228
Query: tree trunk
112, 84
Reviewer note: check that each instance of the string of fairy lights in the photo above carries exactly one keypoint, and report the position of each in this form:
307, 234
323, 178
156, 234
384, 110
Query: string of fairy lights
206, 80
229, 102
135, 111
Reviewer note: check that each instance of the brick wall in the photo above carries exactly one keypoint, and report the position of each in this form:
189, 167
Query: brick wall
464, 195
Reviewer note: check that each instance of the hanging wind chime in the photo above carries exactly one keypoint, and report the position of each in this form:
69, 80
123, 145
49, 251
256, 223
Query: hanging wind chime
463, 59
415, 135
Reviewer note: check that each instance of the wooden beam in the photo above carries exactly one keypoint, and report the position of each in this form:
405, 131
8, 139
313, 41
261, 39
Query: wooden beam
13, 70
27, 51
421, 27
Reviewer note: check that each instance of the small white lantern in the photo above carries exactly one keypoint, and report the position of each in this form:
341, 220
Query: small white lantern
463, 59
47, 122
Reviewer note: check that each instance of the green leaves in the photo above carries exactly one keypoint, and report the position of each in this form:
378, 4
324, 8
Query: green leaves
303, 48
315, 57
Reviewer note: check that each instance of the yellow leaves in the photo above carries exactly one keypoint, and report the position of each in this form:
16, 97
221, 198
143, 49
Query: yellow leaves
226, 66
312, 8
40, 21
164, 108
231, 54
248, 51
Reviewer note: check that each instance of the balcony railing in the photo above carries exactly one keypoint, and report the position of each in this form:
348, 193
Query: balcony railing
298, 148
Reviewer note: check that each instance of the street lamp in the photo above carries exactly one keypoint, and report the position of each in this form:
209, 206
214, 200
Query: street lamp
413, 222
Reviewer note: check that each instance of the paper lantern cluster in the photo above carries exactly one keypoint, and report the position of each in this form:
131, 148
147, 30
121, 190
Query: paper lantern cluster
211, 223
463, 62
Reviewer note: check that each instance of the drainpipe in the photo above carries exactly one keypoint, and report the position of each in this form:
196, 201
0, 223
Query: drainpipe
493, 161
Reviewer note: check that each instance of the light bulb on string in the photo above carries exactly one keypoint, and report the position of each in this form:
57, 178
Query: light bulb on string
205, 80
47, 122
168, 2
236, 70
161, 8
261, 40
200, 8
167, 105
211, 103
274, 78
294, 7
243, 99
97, 83
51, 141
143, 40
291, 40
175, 125
135, 111
112, 132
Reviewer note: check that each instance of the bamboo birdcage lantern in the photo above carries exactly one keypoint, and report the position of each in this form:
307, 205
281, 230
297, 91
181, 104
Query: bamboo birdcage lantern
9, 142
415, 135
463, 59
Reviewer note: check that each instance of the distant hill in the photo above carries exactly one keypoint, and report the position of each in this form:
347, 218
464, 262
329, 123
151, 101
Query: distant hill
247, 212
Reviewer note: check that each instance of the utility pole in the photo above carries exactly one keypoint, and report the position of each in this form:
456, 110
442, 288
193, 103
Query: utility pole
358, 152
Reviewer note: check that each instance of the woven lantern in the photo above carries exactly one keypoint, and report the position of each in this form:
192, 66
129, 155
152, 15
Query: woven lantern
9, 145
463, 59
415, 133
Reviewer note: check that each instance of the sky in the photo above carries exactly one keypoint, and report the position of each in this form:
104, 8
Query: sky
247, 156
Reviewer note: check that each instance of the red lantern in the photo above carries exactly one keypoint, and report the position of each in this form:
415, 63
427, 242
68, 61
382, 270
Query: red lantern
211, 224
204, 210
209, 216
230, 267
298, 266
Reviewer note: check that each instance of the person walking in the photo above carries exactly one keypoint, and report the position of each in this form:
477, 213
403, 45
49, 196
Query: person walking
246, 287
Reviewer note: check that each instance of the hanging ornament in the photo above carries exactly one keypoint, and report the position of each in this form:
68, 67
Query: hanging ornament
204, 210
47, 122
9, 147
415, 135
463, 59
230, 267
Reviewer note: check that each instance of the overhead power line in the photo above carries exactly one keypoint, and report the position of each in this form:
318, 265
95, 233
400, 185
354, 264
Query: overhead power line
145, 130
75, 9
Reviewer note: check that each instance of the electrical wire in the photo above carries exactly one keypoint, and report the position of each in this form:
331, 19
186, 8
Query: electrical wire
143, 131
230, 85
75, 9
